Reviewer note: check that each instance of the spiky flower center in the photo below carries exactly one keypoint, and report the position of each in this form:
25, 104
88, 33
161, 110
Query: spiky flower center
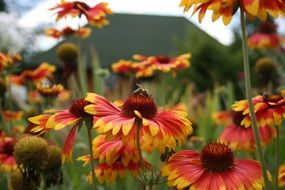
77, 108
142, 102
217, 157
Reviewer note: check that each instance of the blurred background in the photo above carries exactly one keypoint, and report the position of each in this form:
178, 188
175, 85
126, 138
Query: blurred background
212, 83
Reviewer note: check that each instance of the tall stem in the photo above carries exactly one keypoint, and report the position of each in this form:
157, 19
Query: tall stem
249, 98
10, 104
277, 158
89, 128
139, 124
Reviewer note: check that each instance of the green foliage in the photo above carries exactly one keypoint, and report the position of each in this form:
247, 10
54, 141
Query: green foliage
2, 5
211, 62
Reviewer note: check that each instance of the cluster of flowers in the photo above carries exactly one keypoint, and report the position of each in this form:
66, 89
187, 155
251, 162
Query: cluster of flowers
96, 16
144, 66
128, 128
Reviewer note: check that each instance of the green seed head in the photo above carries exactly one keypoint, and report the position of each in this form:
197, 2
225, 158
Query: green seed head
265, 65
31, 152
68, 52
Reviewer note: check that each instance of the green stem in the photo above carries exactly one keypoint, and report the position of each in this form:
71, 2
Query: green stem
139, 124
10, 104
89, 128
2, 122
277, 158
248, 90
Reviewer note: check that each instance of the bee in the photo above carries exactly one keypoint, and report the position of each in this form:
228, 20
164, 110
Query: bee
141, 90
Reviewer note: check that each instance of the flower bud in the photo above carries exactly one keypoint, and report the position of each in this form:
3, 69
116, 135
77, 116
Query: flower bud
31, 152
68, 52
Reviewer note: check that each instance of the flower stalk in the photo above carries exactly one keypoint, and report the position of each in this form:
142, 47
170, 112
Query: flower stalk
277, 151
89, 132
249, 98
139, 124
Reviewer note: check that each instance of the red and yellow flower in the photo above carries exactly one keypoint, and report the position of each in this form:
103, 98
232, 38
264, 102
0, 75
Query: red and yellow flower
227, 8
43, 71
108, 173
214, 168
265, 37
144, 66
95, 15
110, 151
123, 66
73, 116
7, 60
239, 137
165, 63
141, 69
222, 118
281, 176
269, 110
264, 41
157, 129
115, 159
83, 32
49, 91
7, 159
9, 115
38, 124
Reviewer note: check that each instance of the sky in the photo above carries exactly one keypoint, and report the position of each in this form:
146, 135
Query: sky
41, 15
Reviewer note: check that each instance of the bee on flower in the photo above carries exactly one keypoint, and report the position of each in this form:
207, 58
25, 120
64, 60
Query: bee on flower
158, 129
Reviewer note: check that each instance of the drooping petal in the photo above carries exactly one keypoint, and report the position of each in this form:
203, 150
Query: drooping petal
68, 145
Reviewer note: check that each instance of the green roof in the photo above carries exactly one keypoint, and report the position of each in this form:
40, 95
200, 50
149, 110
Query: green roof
130, 34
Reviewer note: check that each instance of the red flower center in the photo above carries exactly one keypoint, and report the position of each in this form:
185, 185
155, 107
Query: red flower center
77, 108
267, 27
237, 117
67, 31
8, 148
141, 102
217, 157
163, 59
